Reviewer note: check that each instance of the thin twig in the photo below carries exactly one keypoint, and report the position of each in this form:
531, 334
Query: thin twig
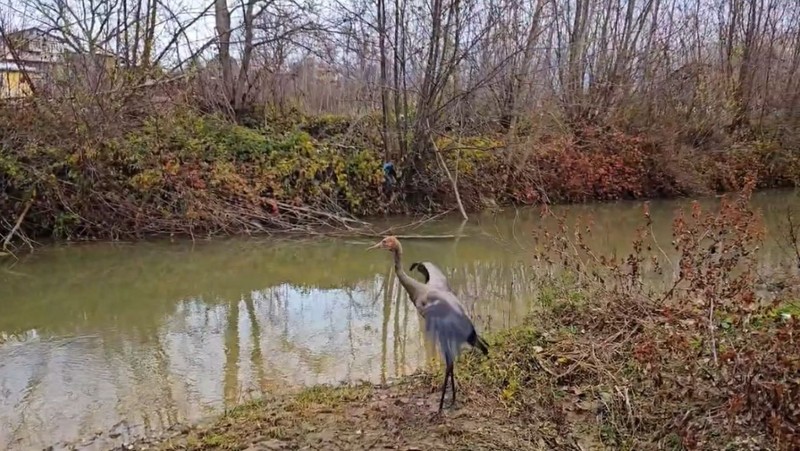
453, 180
17, 224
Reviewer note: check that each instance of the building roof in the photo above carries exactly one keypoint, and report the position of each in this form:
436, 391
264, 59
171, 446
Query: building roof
36, 30
60, 39
12, 66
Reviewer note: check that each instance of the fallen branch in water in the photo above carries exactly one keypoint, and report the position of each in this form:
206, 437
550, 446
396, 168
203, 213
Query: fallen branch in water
314, 212
415, 224
414, 237
393, 231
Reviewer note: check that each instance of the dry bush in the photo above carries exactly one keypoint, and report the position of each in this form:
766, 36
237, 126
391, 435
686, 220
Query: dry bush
602, 163
699, 364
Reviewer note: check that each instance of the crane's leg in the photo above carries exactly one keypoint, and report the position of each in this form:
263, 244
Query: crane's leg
447, 374
453, 384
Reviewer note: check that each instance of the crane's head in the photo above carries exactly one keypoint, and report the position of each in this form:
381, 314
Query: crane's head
389, 243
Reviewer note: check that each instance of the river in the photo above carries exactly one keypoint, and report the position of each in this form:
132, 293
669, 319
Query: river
104, 343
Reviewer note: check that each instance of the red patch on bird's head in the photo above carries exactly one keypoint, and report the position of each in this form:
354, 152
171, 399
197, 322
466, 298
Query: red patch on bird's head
390, 243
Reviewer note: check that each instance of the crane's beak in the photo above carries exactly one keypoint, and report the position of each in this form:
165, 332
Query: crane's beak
374, 246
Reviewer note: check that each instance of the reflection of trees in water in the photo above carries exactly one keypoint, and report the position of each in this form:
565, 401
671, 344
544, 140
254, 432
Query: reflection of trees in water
387, 312
496, 294
17, 394
56, 389
398, 333
256, 355
318, 335
265, 334
232, 340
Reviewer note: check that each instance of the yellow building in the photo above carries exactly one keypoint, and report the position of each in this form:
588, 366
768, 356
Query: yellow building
48, 62
28, 52
13, 82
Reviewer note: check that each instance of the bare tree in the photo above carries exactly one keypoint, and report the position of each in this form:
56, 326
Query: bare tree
692, 69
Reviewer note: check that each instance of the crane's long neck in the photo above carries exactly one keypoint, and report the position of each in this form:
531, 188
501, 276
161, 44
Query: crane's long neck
413, 287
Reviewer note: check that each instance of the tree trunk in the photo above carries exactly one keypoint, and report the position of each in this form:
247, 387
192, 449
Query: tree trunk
241, 88
223, 25
576, 64
384, 80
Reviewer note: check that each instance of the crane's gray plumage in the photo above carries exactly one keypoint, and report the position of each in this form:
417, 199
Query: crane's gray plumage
435, 279
449, 328
446, 321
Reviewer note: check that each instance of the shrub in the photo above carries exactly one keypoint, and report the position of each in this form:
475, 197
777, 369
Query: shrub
702, 363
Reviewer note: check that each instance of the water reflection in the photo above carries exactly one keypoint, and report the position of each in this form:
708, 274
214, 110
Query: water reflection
83, 360
130, 339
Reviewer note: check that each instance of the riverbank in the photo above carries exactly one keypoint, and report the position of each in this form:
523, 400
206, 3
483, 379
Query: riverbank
576, 377
708, 362
181, 172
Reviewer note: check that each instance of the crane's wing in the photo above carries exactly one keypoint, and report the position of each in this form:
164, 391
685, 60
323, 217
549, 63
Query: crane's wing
434, 277
447, 326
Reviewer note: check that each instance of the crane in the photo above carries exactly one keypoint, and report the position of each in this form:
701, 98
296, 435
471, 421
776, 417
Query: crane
446, 322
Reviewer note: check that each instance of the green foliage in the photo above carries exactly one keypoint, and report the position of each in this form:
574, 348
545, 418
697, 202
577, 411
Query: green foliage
326, 125
226, 158
189, 136
470, 152
187, 172
11, 169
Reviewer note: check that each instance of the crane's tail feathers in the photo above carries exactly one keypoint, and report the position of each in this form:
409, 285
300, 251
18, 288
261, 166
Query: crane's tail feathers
478, 342
483, 346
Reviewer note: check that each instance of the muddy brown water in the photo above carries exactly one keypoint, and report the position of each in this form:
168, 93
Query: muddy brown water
103, 343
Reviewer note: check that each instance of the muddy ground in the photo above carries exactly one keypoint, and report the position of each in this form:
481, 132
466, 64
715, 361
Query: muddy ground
400, 416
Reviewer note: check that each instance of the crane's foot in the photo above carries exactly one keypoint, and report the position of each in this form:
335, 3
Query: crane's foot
452, 404
439, 413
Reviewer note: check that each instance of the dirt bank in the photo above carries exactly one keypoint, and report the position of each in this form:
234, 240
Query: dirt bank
400, 416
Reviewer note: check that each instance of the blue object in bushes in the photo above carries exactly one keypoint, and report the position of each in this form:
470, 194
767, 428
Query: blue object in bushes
389, 175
